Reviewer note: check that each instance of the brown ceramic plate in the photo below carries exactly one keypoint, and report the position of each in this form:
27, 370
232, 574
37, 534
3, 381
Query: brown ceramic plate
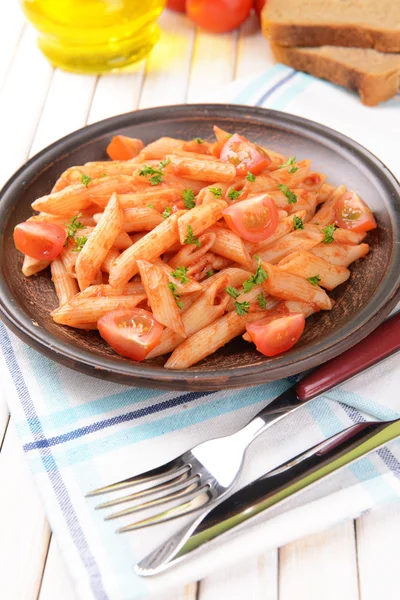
361, 303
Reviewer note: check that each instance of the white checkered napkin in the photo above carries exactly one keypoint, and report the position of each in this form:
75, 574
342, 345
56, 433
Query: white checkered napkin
81, 433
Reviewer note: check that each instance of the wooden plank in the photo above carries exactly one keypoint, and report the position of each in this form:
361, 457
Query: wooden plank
320, 566
378, 535
213, 65
256, 579
21, 100
254, 54
56, 582
24, 530
11, 25
168, 65
66, 108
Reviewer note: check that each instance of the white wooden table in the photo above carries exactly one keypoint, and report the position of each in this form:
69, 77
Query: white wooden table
356, 560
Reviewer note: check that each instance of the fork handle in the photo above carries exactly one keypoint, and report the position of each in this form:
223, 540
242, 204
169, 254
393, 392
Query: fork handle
381, 343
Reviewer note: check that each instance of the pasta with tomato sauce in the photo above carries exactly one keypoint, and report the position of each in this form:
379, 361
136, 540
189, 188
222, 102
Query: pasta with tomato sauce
176, 247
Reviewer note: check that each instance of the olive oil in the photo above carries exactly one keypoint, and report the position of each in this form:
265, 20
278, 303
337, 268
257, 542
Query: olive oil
94, 36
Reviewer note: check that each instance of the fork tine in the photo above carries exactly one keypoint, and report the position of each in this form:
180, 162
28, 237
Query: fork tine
195, 500
179, 491
157, 475
168, 486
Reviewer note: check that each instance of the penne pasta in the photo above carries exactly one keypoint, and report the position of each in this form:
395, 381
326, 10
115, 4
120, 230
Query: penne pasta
202, 170
31, 266
325, 192
286, 176
191, 254
99, 243
159, 197
161, 296
159, 148
340, 254
293, 287
199, 219
189, 286
201, 147
149, 247
301, 239
346, 236
309, 265
284, 227
208, 340
109, 260
294, 306
205, 196
209, 306
106, 290
326, 214
90, 310
65, 285
313, 182
95, 170
138, 219
229, 245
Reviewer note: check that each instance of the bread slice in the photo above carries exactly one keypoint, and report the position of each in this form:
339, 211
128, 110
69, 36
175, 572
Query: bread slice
374, 75
350, 23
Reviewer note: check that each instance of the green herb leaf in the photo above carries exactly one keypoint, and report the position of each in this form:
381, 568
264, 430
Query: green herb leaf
210, 273
104, 174
199, 140
250, 176
167, 212
259, 277
176, 296
328, 232
73, 227
180, 273
288, 163
229, 135
217, 192
164, 163
188, 198
234, 194
156, 174
314, 280
150, 205
86, 179
291, 197
242, 308
298, 222
80, 242
232, 291
156, 179
191, 238
262, 301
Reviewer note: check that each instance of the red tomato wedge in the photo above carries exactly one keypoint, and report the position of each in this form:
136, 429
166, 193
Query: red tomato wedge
132, 332
244, 155
254, 219
124, 148
40, 240
274, 335
353, 213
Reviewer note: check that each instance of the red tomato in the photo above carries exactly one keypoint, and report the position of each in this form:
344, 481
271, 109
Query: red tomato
40, 240
218, 16
244, 155
259, 5
353, 213
274, 335
131, 332
178, 5
124, 148
254, 219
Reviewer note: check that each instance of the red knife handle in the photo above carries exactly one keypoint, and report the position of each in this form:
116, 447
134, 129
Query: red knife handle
381, 343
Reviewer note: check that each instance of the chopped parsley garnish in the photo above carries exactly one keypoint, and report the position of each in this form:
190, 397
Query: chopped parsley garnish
229, 135
191, 238
314, 280
180, 273
104, 174
86, 179
188, 198
199, 140
176, 296
210, 273
156, 174
73, 227
167, 212
217, 192
79, 243
250, 176
262, 301
242, 308
259, 276
150, 205
298, 222
234, 194
291, 197
328, 232
289, 163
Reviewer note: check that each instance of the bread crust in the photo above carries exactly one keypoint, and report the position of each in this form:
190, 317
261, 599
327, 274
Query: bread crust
348, 35
373, 88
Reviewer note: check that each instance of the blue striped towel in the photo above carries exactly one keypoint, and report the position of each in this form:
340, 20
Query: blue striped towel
81, 433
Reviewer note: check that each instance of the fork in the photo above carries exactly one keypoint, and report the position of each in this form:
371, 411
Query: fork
201, 478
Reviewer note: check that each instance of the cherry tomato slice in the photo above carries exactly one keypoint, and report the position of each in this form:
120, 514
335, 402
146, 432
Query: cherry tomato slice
353, 213
274, 335
124, 148
40, 240
244, 155
254, 219
218, 16
131, 332
177, 5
